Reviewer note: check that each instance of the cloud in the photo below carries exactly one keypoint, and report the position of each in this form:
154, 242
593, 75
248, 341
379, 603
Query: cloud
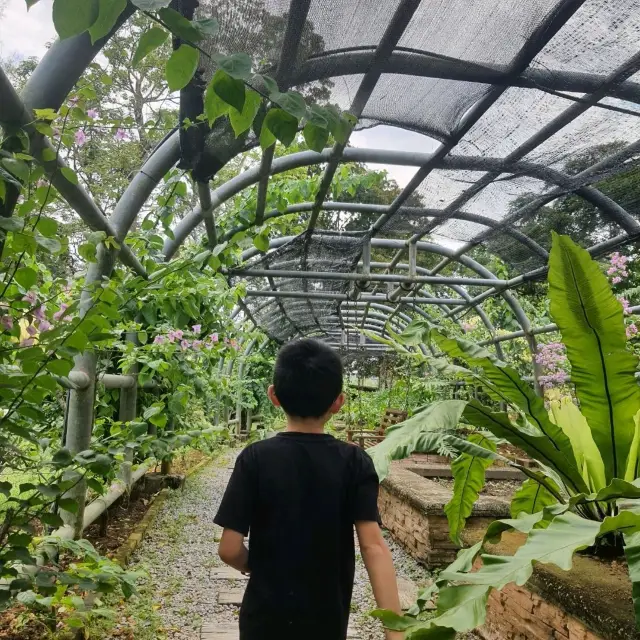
25, 33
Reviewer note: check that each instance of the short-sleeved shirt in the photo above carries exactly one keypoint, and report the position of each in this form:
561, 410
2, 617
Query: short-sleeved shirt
299, 495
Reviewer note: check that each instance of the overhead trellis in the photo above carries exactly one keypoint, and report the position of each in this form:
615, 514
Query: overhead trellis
513, 93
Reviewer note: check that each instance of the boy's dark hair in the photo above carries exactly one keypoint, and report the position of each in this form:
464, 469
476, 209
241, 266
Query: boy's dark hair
307, 378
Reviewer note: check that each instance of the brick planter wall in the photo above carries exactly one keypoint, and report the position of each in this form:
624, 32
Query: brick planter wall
591, 602
412, 509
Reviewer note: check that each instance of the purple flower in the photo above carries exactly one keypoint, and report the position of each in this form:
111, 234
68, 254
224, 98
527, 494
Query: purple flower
197, 328
184, 344
174, 334
27, 342
92, 113
616, 280
120, 135
73, 101
7, 322
38, 314
80, 137
60, 312
159, 340
31, 330
213, 337
196, 344
44, 325
30, 297
631, 330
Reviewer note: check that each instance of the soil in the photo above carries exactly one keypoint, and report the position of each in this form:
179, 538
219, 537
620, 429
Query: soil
497, 488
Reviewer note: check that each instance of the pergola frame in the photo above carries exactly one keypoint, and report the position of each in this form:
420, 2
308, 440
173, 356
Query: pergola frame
65, 61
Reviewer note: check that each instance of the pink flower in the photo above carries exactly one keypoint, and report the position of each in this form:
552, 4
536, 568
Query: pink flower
44, 325
159, 340
467, 326
7, 322
196, 344
631, 330
30, 297
184, 344
92, 113
616, 280
27, 342
234, 344
626, 307
31, 330
60, 312
174, 334
197, 328
73, 101
39, 314
213, 337
120, 134
80, 137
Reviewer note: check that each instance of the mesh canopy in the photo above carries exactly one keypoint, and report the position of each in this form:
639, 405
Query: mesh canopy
536, 110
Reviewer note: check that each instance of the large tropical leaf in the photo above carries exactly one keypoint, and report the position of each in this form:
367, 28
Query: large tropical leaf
632, 552
532, 497
567, 416
423, 432
556, 544
468, 474
535, 444
591, 322
508, 386
634, 454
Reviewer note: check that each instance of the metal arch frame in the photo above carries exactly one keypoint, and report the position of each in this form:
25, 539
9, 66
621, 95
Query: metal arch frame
65, 62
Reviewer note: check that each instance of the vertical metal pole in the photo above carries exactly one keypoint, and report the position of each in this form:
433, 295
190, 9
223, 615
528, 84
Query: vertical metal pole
128, 412
537, 368
81, 401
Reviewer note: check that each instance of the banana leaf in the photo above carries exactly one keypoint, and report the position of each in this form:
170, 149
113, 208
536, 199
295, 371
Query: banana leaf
591, 322
468, 474
632, 461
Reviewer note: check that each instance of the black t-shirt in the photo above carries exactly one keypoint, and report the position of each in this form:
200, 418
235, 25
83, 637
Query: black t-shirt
299, 495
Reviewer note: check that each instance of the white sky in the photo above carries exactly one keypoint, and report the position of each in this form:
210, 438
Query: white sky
24, 34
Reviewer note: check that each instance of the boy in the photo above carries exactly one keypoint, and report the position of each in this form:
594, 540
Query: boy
300, 494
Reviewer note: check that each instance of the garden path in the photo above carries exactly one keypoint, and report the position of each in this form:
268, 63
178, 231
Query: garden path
188, 594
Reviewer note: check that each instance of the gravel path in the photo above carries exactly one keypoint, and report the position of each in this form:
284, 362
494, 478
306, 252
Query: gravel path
178, 553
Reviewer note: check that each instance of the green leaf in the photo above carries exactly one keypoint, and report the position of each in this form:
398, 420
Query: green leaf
229, 89
591, 322
151, 5
51, 519
270, 84
208, 27
530, 498
5, 488
292, 102
180, 26
261, 242
241, 122
468, 474
88, 252
73, 17
69, 174
533, 443
108, 13
181, 66
47, 227
62, 457
60, 367
68, 505
150, 41
315, 137
52, 245
11, 224
26, 277
267, 139
393, 621
567, 416
556, 544
283, 125
101, 465
17, 168
77, 340
96, 485
631, 472
418, 433
504, 383
237, 65
214, 105
48, 154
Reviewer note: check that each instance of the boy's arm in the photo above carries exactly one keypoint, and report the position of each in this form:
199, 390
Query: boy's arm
232, 550
379, 563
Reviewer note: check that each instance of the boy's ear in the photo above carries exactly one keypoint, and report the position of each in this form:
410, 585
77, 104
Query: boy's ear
271, 392
337, 404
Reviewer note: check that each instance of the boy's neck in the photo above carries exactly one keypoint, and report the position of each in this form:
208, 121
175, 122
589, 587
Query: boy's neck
308, 425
